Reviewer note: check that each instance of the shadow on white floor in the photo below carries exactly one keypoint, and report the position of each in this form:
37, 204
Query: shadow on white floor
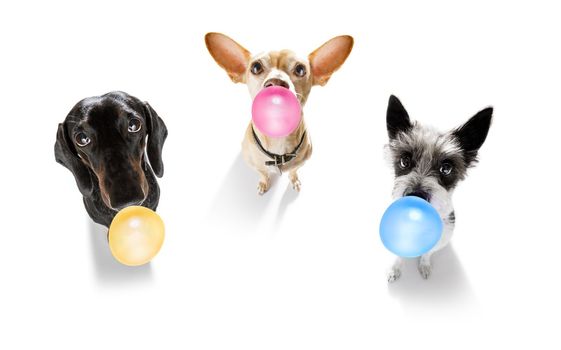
287, 199
447, 286
237, 201
107, 269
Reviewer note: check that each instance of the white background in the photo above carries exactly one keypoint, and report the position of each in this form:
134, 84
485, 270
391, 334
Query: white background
286, 270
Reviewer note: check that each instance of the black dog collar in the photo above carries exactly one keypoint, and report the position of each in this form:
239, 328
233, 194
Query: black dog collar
278, 159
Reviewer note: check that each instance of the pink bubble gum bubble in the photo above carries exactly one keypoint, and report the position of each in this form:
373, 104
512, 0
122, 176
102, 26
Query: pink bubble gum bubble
276, 111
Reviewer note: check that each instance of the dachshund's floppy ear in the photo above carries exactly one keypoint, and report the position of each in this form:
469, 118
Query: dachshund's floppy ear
67, 156
157, 133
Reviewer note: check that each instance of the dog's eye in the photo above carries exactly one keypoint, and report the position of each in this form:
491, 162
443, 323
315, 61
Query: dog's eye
135, 125
300, 70
82, 139
256, 68
404, 162
446, 168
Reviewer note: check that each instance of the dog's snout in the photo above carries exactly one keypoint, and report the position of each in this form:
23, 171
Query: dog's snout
421, 194
128, 203
276, 82
122, 187
122, 199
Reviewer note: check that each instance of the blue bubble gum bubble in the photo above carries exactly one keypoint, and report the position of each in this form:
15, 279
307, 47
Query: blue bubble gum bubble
410, 227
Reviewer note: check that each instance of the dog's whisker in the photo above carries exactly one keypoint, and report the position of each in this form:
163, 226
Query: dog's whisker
300, 97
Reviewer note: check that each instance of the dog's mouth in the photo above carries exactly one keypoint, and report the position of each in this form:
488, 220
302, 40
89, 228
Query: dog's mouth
421, 194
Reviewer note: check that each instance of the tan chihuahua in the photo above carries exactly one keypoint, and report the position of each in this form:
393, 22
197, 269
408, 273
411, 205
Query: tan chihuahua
278, 68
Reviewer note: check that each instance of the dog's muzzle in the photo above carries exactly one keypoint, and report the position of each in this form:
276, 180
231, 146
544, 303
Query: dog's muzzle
276, 82
421, 194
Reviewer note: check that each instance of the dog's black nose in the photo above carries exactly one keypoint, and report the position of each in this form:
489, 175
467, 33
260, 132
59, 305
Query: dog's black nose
421, 194
276, 82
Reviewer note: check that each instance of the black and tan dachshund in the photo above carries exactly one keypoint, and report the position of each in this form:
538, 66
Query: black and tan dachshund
113, 146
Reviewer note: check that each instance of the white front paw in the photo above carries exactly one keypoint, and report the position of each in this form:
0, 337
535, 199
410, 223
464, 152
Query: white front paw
394, 275
425, 269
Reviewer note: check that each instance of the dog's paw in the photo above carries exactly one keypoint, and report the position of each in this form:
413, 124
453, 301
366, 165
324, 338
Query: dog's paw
394, 275
296, 185
425, 269
262, 187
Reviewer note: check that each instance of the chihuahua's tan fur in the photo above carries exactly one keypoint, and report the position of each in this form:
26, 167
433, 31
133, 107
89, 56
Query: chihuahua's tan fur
283, 68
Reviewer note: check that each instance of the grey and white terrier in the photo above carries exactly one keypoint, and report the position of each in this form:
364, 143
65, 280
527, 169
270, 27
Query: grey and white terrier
429, 164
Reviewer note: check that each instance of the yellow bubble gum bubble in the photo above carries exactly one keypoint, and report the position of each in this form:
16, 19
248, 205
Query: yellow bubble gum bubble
136, 235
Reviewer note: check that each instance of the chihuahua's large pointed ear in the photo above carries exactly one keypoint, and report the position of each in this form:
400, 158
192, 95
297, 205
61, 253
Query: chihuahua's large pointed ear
326, 59
473, 133
66, 154
157, 133
229, 55
397, 119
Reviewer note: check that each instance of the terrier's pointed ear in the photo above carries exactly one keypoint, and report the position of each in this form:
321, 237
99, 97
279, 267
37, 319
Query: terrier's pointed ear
229, 55
473, 133
397, 119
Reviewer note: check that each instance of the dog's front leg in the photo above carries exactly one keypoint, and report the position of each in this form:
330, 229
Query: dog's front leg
293, 176
264, 182
424, 266
395, 270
